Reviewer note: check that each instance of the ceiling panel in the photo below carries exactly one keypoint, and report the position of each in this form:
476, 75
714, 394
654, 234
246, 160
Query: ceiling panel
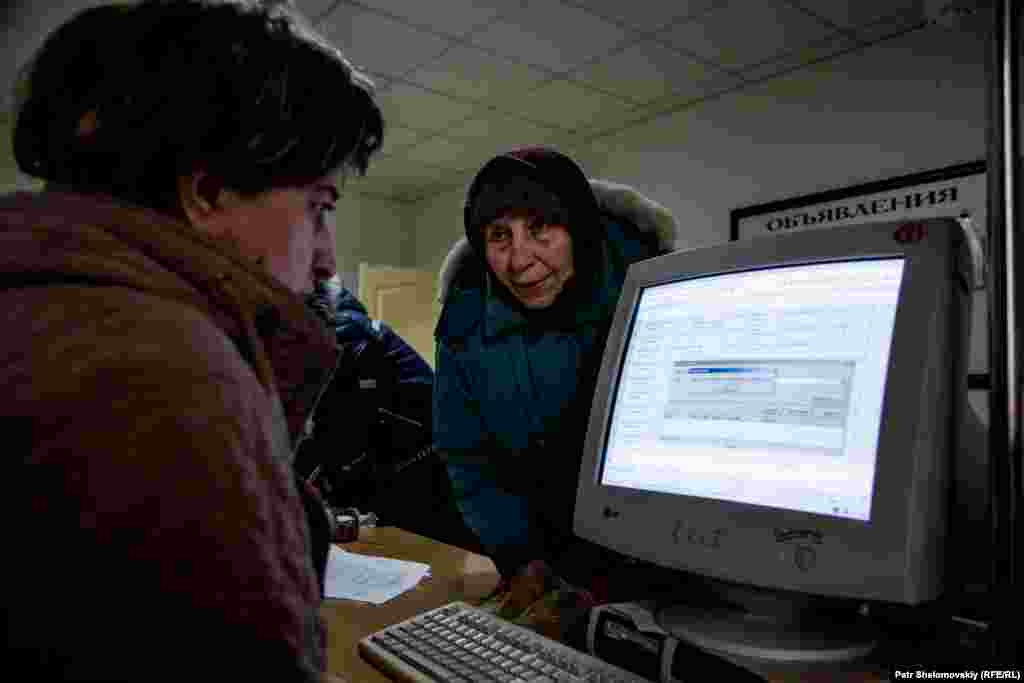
646, 15
414, 107
497, 133
562, 72
397, 172
445, 153
549, 34
451, 17
477, 152
315, 10
571, 106
457, 180
888, 27
809, 54
852, 14
378, 43
397, 138
648, 71
592, 157
477, 75
744, 33
614, 122
481, 151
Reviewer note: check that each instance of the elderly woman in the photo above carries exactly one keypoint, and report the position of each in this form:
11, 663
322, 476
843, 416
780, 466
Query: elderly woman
158, 363
528, 296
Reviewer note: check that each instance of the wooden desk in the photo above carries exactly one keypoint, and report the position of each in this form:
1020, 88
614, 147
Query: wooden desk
455, 574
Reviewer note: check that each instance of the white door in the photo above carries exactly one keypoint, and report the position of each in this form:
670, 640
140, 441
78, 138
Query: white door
404, 299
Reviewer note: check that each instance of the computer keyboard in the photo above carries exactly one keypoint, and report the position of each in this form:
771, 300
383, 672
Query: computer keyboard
459, 643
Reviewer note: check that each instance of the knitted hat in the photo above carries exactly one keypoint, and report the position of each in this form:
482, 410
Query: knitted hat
538, 180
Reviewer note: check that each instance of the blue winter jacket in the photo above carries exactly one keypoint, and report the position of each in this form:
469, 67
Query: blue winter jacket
512, 392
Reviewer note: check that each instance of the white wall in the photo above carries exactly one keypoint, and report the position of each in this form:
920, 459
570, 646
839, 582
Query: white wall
905, 105
372, 230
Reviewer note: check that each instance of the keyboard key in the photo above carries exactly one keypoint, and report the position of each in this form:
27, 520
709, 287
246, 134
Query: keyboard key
460, 644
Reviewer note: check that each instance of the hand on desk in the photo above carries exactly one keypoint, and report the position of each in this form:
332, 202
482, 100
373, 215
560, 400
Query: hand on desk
539, 600
524, 589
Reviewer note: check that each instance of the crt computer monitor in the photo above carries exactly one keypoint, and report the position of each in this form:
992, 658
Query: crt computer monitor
776, 413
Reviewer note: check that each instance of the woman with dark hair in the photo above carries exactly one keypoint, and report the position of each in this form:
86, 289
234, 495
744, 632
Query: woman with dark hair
529, 294
158, 362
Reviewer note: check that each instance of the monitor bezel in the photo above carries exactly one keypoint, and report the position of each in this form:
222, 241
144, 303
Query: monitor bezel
673, 539
631, 321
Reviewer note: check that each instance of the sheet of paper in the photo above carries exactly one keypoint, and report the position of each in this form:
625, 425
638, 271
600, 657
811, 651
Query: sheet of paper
370, 579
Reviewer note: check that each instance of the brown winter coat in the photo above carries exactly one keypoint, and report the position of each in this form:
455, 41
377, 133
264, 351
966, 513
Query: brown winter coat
152, 383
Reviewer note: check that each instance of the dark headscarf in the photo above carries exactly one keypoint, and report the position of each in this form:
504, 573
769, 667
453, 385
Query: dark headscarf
544, 182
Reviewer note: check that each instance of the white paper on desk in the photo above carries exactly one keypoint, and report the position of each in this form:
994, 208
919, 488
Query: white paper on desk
351, 576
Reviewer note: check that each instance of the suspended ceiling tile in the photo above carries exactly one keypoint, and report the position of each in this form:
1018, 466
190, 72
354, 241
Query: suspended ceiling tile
551, 35
648, 71
742, 33
444, 152
570, 106
479, 151
809, 54
592, 157
452, 180
451, 17
495, 133
315, 9
398, 167
609, 122
891, 26
848, 14
477, 75
397, 138
396, 176
647, 15
414, 107
457, 180
380, 44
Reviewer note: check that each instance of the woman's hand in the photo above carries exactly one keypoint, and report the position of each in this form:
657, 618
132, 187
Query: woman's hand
525, 589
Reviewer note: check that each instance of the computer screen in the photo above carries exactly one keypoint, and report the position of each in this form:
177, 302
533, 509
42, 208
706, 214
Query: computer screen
759, 387
778, 412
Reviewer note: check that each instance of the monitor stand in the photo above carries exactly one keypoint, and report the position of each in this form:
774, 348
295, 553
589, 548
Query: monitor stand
772, 627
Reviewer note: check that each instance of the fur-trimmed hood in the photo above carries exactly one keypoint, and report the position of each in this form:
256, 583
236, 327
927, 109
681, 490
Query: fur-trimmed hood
613, 199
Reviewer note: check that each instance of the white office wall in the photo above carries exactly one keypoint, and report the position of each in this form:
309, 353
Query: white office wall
371, 230
908, 104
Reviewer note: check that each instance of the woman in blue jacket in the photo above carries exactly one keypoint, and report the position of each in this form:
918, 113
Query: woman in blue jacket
528, 296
